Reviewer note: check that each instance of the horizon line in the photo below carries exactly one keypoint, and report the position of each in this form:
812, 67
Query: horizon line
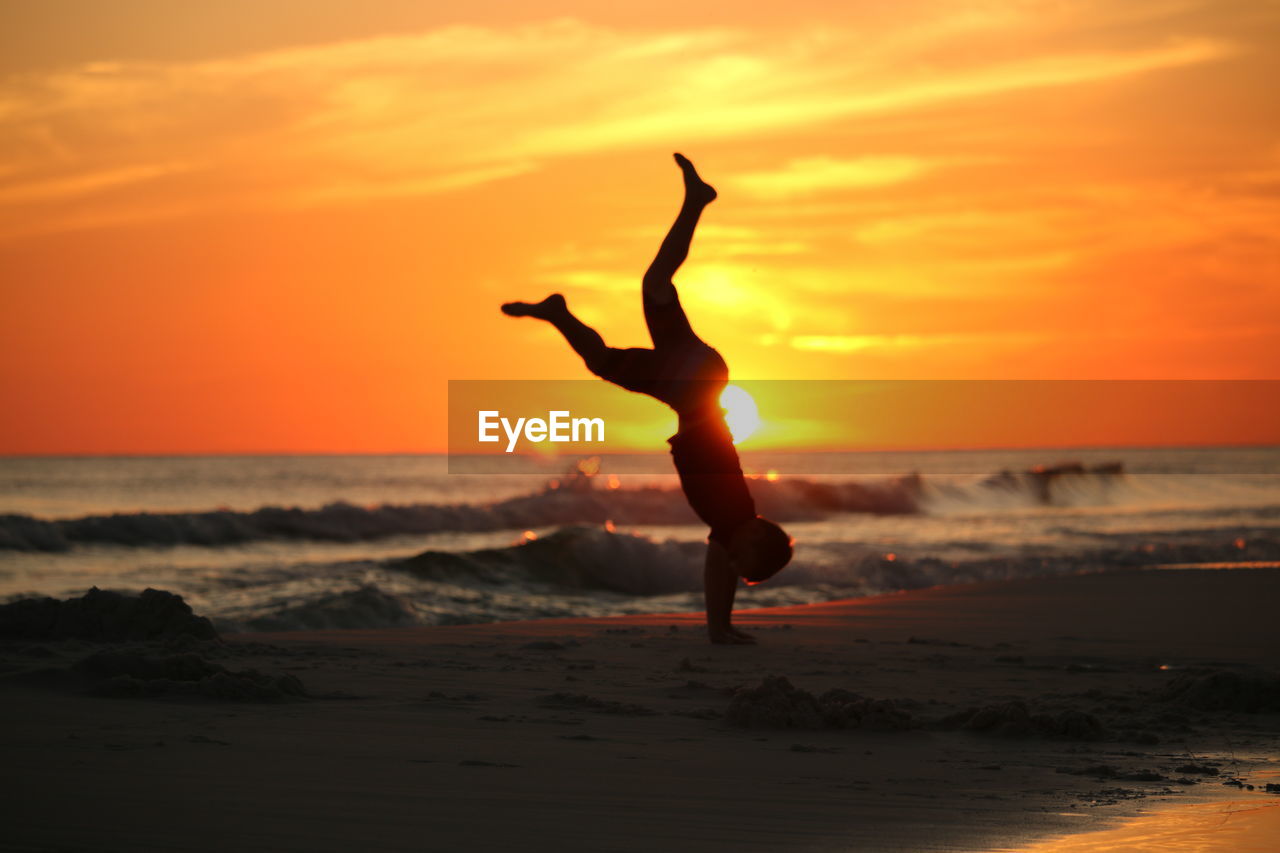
660, 453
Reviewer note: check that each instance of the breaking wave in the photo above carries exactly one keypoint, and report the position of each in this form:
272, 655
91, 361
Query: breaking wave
343, 522
583, 558
589, 571
575, 500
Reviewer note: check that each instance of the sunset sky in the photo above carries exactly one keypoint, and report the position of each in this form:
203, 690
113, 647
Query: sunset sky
260, 226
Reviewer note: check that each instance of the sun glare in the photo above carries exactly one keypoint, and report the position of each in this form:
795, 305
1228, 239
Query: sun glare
740, 413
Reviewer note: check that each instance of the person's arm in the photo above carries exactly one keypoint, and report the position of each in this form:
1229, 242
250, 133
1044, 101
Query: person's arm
720, 584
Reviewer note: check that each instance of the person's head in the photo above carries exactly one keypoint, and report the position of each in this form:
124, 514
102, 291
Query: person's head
759, 549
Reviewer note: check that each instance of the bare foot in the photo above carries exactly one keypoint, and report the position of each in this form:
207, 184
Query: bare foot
543, 310
694, 187
730, 637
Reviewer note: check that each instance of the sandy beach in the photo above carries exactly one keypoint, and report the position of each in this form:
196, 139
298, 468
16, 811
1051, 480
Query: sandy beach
635, 734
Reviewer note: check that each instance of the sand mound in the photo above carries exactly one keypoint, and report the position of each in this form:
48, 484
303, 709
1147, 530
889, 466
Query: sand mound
1016, 720
1226, 691
104, 616
845, 710
776, 703
128, 674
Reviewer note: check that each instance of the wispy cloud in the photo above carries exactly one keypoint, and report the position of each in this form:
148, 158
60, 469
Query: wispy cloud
811, 175
363, 189
88, 184
460, 106
844, 344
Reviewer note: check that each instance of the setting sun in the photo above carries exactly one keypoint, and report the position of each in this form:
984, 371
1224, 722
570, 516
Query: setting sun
741, 413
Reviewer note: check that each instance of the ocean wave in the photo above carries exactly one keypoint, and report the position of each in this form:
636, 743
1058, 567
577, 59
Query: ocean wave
593, 559
569, 501
582, 559
343, 522
579, 558
590, 572
365, 606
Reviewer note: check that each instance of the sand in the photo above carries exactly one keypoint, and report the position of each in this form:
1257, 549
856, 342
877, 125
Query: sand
983, 717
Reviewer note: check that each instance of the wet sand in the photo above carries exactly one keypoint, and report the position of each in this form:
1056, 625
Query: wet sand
619, 734
1231, 826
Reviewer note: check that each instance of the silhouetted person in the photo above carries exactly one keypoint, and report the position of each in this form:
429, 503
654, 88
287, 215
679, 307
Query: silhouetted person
687, 375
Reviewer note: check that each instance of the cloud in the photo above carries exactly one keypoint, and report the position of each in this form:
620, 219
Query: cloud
591, 279
376, 188
810, 175
843, 344
460, 106
87, 184
786, 89
974, 341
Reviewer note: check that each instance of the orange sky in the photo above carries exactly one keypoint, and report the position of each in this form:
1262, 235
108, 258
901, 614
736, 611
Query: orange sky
239, 228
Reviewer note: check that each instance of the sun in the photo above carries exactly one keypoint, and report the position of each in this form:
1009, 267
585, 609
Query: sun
740, 413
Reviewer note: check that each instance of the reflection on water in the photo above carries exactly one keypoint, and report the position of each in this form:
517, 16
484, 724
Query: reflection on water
1236, 826
1234, 564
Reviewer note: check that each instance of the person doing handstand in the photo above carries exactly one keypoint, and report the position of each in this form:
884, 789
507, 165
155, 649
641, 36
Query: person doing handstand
688, 375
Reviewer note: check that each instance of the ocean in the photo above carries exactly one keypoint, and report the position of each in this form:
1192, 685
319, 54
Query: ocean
301, 542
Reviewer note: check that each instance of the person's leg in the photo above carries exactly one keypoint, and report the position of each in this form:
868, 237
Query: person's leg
633, 369
667, 322
585, 340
